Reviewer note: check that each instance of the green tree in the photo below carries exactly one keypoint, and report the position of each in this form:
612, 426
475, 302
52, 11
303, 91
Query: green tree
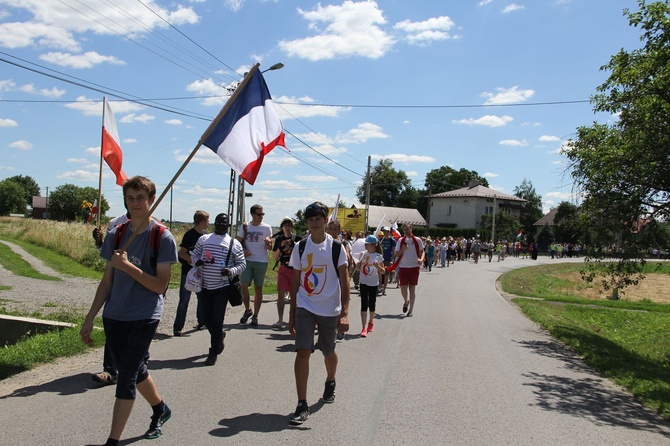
622, 168
507, 226
532, 208
12, 198
29, 185
65, 202
388, 186
567, 223
445, 179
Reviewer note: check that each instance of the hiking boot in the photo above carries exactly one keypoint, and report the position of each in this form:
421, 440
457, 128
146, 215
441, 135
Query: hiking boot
329, 392
157, 422
254, 321
211, 359
300, 415
105, 378
245, 317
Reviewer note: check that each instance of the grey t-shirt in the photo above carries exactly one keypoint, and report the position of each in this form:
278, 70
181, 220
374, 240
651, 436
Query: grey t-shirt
130, 300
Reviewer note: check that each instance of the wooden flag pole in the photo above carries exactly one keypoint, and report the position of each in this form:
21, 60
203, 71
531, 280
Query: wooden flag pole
204, 137
104, 99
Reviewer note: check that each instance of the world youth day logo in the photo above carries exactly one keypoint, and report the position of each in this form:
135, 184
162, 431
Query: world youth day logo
314, 278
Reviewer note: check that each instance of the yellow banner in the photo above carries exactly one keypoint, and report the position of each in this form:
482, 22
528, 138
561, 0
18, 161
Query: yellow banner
350, 219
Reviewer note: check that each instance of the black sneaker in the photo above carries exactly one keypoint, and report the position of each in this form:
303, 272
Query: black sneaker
300, 416
176, 333
200, 327
157, 421
329, 392
254, 321
245, 317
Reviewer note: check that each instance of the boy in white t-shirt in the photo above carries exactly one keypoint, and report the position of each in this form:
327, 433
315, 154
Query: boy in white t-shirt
319, 295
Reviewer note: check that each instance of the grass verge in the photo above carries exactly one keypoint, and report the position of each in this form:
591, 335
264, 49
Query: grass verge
14, 263
629, 342
43, 348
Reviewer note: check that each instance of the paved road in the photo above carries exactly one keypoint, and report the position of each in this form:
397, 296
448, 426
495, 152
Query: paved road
467, 369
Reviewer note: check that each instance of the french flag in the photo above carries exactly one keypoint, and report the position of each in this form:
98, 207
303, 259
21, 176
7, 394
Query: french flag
110, 148
249, 129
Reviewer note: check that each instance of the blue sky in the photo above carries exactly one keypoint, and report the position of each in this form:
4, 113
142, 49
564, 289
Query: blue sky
424, 83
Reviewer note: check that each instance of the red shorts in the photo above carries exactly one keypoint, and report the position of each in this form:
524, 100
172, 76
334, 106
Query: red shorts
284, 277
408, 276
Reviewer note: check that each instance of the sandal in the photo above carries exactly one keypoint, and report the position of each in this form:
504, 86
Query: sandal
104, 378
278, 325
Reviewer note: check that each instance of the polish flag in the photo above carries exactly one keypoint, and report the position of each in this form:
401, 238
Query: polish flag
394, 230
111, 146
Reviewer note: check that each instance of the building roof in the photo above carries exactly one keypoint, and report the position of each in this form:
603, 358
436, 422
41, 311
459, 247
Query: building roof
548, 218
40, 202
387, 215
477, 191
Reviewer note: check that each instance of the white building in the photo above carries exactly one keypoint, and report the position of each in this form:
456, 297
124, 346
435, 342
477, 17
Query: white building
463, 208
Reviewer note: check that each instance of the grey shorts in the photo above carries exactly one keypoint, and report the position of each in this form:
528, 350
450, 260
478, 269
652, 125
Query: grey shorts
255, 271
305, 323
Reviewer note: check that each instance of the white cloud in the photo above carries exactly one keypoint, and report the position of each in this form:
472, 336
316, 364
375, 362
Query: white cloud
173, 121
280, 185
201, 157
422, 33
93, 150
6, 122
280, 160
351, 29
7, 168
316, 178
234, 5
55, 24
293, 108
93, 107
487, 120
484, 2
85, 60
412, 173
548, 138
507, 96
77, 160
21, 145
143, 118
531, 124
407, 159
513, 142
79, 175
213, 93
559, 195
512, 7
361, 134
53, 93
128, 140
491, 175
205, 191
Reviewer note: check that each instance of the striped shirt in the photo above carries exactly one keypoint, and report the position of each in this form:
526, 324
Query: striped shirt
213, 249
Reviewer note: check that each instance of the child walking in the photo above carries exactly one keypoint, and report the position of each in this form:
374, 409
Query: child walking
371, 266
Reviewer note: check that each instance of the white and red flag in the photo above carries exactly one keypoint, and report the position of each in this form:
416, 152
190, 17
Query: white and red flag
394, 230
110, 147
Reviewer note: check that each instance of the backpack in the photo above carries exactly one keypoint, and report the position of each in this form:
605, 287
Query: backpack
293, 236
337, 248
154, 240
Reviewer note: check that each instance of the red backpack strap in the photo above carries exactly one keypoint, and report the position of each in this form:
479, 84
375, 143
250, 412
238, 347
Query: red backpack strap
120, 232
155, 242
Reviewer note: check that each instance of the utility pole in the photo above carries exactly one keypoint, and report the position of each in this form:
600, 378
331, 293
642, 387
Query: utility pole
231, 200
46, 209
367, 197
493, 232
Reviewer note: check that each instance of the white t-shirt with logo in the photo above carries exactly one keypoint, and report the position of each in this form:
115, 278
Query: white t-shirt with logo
319, 290
254, 241
409, 258
369, 271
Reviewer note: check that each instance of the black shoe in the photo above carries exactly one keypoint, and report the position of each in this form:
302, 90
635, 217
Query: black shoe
254, 321
404, 308
340, 336
157, 422
176, 333
329, 392
200, 327
245, 317
301, 414
211, 358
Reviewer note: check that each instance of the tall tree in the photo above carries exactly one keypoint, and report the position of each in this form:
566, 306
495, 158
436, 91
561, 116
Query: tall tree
445, 178
12, 197
567, 224
29, 185
389, 187
65, 202
623, 169
532, 208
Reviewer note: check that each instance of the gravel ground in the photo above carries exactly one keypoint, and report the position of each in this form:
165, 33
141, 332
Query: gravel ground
29, 295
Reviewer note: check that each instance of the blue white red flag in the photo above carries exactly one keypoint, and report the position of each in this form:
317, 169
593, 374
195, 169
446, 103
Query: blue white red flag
248, 131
